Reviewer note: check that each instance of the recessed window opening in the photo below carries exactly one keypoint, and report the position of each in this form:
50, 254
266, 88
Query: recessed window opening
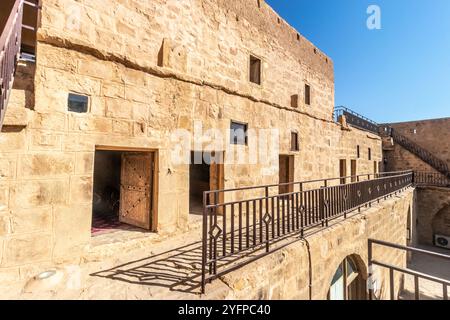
294, 141
78, 103
255, 70
238, 133
307, 94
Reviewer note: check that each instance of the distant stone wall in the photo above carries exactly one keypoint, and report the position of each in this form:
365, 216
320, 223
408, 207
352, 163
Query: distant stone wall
433, 213
433, 135
286, 273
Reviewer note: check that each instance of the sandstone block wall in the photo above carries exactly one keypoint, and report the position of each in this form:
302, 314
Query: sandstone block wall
112, 54
433, 213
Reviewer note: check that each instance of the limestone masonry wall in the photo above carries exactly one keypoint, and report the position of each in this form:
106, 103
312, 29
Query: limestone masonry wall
286, 274
433, 213
150, 68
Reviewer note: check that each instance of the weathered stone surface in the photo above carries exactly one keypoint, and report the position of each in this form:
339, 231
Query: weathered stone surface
81, 189
31, 220
32, 194
71, 230
27, 249
433, 205
5, 225
45, 165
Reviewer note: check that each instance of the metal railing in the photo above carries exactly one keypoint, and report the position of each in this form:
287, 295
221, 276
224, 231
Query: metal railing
356, 120
242, 225
422, 178
10, 42
417, 275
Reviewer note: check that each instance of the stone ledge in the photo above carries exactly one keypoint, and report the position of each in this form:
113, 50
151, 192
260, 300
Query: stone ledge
16, 117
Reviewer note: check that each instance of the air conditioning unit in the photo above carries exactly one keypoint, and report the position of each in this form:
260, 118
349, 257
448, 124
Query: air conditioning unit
442, 241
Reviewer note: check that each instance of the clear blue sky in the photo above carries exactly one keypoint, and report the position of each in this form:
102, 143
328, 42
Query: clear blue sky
398, 73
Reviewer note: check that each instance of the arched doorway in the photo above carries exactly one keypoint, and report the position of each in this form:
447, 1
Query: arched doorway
348, 282
441, 222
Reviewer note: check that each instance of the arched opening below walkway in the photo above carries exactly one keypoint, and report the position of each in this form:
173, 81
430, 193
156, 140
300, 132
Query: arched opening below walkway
441, 225
348, 282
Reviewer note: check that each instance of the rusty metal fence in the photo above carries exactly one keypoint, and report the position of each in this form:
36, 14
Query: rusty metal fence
10, 41
244, 224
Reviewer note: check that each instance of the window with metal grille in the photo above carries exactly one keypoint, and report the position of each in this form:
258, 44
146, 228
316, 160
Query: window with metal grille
255, 70
78, 103
238, 133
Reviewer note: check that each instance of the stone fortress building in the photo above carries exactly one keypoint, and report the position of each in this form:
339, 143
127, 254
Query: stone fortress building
90, 128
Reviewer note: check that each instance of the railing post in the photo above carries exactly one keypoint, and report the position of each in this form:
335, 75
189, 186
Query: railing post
322, 205
266, 223
371, 271
204, 243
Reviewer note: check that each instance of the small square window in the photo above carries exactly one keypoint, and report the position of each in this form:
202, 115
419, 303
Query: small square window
307, 94
238, 133
255, 70
294, 141
78, 103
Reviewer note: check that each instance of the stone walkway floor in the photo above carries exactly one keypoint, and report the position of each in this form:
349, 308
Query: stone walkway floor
169, 270
430, 265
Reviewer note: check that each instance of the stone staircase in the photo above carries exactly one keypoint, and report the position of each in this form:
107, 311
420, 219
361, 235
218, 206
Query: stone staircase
425, 155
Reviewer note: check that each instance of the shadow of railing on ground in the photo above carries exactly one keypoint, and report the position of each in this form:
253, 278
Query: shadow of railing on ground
178, 270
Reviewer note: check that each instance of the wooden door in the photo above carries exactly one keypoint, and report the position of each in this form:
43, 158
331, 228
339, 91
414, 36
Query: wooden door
216, 177
136, 189
353, 169
343, 170
286, 173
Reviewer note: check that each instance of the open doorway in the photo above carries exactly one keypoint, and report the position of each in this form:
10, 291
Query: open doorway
286, 173
123, 191
206, 173
353, 169
343, 170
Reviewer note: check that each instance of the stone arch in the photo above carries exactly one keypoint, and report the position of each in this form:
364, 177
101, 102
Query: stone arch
441, 221
360, 279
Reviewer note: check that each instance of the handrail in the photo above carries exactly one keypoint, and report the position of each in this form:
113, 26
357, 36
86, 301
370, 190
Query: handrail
237, 232
8, 30
325, 181
356, 120
10, 42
